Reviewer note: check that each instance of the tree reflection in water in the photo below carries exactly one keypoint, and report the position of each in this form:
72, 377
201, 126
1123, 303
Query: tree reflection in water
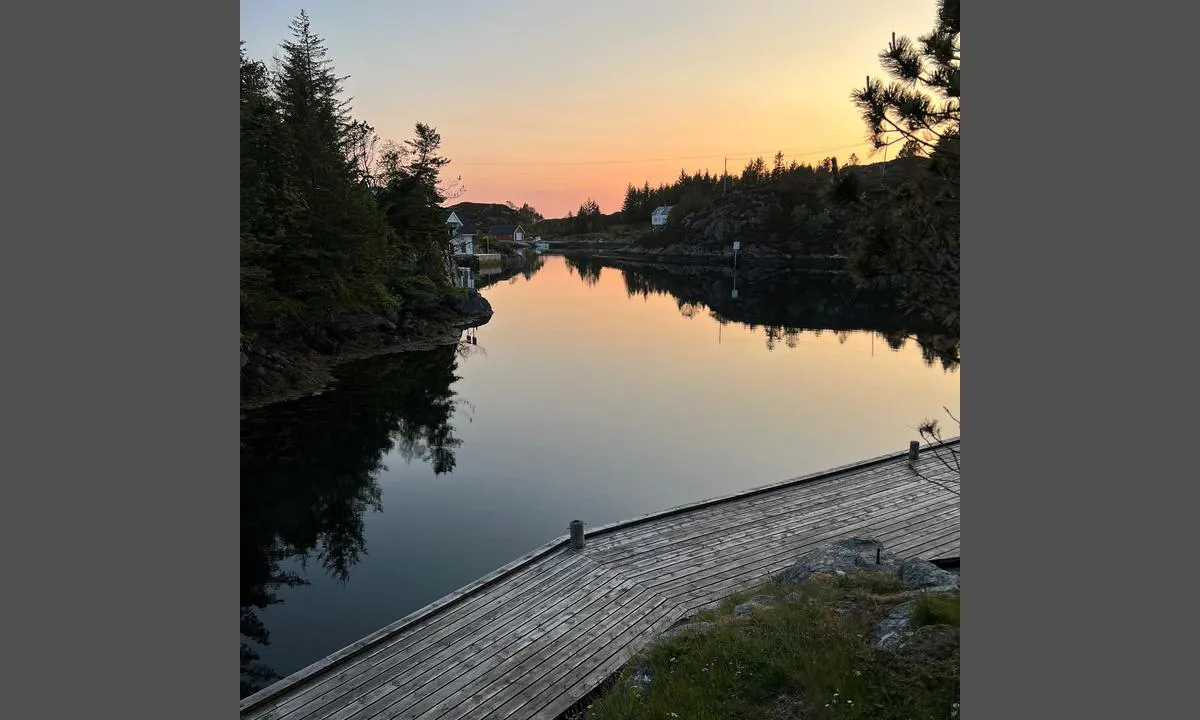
309, 474
784, 302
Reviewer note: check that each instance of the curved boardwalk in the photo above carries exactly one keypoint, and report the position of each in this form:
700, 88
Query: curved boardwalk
533, 637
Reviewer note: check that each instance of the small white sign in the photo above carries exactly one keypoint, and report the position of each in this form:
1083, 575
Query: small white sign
737, 245
733, 294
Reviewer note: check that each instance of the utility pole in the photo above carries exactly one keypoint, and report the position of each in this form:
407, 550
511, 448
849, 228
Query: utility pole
726, 177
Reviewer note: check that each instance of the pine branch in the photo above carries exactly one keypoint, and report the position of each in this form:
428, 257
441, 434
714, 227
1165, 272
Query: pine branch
918, 473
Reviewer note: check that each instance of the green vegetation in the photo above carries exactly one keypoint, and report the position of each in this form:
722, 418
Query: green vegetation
502, 247
808, 656
935, 610
329, 224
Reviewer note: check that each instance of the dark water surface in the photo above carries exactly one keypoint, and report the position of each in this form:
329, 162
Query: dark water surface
596, 392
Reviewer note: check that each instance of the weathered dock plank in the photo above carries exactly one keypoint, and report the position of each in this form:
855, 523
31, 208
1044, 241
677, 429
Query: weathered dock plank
535, 636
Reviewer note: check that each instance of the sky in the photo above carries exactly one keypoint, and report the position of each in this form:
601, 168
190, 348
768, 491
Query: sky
551, 103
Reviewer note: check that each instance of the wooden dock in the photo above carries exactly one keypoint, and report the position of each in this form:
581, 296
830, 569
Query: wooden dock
538, 634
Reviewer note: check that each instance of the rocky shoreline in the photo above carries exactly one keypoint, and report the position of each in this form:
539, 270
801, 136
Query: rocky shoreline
286, 366
750, 253
671, 256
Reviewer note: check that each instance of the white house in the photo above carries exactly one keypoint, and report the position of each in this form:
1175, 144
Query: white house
462, 234
658, 219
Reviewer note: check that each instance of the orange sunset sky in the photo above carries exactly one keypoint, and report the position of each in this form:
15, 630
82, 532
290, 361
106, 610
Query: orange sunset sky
553, 102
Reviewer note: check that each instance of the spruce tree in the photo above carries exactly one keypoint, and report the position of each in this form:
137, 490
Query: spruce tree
269, 203
336, 258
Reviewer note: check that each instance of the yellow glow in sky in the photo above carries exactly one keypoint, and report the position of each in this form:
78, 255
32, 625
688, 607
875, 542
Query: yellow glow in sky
553, 102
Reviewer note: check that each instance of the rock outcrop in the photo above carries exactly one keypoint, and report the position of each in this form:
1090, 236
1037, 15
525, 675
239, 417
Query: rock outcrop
286, 365
841, 556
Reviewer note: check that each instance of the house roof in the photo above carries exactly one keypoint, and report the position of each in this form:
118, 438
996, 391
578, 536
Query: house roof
663, 209
504, 229
465, 226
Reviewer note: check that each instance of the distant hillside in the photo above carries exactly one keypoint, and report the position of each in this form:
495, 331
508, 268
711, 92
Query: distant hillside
781, 211
485, 215
790, 213
560, 227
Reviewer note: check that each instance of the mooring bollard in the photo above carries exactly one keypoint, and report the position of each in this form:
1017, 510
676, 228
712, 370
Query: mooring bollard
577, 534
914, 449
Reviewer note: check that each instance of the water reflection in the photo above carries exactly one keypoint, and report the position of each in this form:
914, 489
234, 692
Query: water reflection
306, 485
589, 404
784, 302
587, 267
533, 263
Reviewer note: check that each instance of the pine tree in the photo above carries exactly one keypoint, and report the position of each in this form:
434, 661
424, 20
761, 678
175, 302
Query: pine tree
910, 240
920, 107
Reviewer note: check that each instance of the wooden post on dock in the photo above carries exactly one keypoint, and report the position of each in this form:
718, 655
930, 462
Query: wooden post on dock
577, 534
914, 449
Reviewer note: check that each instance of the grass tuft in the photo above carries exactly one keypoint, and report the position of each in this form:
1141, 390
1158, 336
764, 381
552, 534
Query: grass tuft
935, 610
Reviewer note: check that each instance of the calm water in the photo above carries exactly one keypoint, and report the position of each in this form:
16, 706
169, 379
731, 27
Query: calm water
596, 392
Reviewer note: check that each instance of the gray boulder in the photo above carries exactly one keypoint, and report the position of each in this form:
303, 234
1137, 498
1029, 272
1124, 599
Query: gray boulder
891, 630
841, 556
918, 574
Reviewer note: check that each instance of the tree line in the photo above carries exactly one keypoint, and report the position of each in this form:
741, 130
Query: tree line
702, 188
687, 193
333, 221
897, 222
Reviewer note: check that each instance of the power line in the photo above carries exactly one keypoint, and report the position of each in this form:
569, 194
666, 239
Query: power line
733, 156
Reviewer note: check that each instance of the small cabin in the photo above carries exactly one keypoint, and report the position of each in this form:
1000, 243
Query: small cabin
658, 219
507, 233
